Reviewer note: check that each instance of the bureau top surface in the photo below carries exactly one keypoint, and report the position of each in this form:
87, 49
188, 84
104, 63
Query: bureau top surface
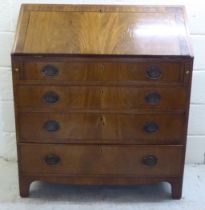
102, 30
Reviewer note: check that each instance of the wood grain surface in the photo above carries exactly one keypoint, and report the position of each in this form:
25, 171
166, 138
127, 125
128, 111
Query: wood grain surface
102, 128
101, 98
102, 30
109, 160
108, 70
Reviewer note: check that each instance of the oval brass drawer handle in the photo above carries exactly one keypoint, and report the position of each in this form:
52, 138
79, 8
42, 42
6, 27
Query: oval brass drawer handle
151, 127
52, 159
152, 98
153, 72
150, 160
51, 97
51, 126
50, 71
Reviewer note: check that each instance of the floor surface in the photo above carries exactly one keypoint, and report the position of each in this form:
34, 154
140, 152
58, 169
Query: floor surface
65, 197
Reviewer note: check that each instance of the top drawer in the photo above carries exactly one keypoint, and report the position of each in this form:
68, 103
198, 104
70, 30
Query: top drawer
74, 71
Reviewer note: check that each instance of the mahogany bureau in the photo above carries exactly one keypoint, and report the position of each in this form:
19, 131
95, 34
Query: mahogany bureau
101, 94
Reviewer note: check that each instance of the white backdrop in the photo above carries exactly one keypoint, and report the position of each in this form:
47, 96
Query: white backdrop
9, 10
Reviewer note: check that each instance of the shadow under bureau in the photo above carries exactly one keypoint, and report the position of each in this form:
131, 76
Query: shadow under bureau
101, 94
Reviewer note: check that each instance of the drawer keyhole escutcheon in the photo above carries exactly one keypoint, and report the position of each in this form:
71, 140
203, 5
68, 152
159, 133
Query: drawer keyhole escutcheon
52, 159
153, 72
152, 98
50, 71
150, 160
101, 121
51, 126
151, 127
51, 97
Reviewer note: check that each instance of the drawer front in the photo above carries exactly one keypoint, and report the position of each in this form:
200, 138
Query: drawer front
103, 71
99, 128
101, 98
101, 160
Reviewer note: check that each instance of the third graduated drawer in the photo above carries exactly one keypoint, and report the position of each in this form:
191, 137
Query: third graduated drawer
109, 128
46, 97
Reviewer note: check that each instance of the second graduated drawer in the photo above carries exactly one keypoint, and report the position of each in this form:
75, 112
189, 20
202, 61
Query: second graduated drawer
102, 128
101, 98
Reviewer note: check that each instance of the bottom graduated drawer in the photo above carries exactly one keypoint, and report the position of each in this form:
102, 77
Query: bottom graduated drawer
101, 160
